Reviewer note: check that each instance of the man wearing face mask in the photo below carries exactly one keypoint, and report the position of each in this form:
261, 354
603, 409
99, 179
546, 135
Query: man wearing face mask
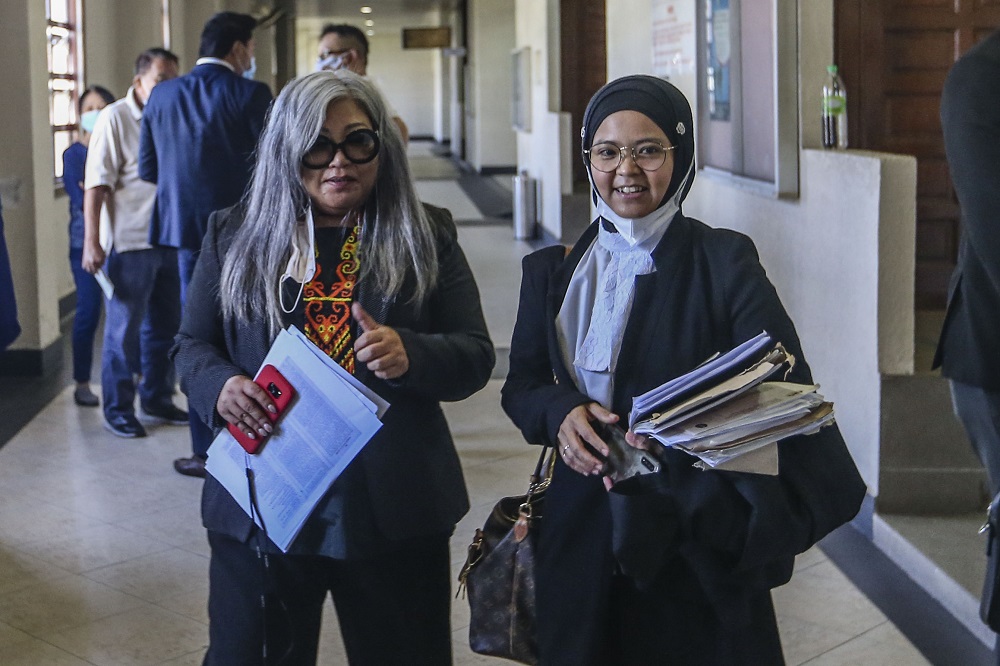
342, 46
199, 133
143, 313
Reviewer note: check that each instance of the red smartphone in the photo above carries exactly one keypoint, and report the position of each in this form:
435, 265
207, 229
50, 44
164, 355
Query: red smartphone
281, 393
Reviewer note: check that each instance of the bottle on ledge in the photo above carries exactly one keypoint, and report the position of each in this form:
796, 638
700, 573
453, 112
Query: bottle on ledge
834, 110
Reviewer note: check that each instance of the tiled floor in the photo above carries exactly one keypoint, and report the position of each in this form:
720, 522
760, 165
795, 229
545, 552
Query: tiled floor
103, 561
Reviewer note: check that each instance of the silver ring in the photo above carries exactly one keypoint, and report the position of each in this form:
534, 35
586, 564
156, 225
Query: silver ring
566, 448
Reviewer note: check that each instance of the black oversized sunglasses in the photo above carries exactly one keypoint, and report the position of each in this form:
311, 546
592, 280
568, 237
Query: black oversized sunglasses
360, 147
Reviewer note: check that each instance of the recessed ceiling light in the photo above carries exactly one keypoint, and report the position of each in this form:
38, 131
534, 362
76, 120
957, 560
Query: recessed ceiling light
366, 10
369, 23
370, 33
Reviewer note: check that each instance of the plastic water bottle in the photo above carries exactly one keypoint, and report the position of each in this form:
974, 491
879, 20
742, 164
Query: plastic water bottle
834, 110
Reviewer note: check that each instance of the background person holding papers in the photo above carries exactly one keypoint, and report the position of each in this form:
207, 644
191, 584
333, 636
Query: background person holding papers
331, 238
674, 567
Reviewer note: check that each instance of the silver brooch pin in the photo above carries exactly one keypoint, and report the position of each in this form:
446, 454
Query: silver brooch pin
681, 129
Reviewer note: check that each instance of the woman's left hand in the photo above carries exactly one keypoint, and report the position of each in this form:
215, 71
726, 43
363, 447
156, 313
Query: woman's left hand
379, 347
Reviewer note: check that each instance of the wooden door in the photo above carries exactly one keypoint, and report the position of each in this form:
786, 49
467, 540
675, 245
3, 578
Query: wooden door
584, 68
895, 55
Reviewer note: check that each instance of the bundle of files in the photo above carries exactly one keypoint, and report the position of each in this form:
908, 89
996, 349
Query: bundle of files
731, 411
332, 417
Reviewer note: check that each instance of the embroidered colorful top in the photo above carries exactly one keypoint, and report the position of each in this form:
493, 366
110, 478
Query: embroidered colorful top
328, 296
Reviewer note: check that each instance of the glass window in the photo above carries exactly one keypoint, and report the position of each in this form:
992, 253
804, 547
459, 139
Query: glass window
65, 75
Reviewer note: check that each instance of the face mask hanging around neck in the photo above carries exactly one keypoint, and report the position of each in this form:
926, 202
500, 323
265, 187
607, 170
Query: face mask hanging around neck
302, 264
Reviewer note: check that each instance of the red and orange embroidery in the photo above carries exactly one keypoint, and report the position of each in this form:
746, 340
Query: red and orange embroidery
328, 305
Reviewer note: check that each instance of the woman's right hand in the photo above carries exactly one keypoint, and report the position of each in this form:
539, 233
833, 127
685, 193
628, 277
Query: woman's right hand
245, 404
576, 433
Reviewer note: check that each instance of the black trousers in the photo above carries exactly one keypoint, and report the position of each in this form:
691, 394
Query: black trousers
393, 609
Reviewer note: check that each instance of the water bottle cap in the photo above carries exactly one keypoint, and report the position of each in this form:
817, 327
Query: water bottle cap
832, 69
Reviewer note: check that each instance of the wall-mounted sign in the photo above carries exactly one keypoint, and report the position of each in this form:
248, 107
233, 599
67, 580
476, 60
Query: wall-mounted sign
427, 38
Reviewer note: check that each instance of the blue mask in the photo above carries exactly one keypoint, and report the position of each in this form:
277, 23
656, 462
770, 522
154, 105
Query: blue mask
249, 73
89, 120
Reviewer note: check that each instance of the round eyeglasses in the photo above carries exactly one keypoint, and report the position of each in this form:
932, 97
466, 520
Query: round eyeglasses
648, 155
360, 147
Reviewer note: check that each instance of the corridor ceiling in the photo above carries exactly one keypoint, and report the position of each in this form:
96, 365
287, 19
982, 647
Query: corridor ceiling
388, 15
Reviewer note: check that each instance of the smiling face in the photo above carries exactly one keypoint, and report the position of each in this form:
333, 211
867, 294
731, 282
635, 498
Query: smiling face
342, 186
628, 190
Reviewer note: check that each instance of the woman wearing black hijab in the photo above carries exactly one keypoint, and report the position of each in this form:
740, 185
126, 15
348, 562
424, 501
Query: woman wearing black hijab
674, 567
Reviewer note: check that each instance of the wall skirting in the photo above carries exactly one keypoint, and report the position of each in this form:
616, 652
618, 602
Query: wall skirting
31, 362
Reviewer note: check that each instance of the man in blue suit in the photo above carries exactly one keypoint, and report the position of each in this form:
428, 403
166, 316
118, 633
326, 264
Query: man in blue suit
198, 137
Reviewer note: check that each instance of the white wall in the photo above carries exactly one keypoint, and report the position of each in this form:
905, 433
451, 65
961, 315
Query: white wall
489, 136
843, 266
407, 78
544, 151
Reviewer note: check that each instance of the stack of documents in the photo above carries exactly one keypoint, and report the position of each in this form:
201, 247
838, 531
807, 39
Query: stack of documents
724, 412
327, 424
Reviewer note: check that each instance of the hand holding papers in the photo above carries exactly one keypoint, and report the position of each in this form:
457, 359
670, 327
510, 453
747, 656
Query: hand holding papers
333, 417
723, 411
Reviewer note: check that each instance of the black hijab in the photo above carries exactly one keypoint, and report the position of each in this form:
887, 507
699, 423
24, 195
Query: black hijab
662, 103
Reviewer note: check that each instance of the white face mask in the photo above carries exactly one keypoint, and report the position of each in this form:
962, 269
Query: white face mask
250, 71
634, 231
331, 63
302, 264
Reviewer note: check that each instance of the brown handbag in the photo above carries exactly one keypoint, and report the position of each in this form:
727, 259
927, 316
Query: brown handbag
499, 573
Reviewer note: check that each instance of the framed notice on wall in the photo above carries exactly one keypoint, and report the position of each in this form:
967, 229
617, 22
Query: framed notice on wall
520, 98
748, 92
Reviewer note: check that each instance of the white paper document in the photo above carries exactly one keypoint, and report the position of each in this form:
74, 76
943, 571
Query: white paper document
105, 283
326, 425
724, 412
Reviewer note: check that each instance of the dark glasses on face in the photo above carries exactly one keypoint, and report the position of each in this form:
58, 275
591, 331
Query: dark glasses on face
359, 147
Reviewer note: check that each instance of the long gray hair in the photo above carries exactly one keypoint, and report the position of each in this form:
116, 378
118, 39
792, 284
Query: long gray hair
397, 238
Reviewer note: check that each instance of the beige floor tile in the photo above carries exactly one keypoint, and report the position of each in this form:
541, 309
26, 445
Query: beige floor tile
35, 652
18, 570
10, 636
26, 521
881, 646
93, 547
46, 608
156, 576
143, 635
802, 640
194, 658
178, 525
822, 596
193, 602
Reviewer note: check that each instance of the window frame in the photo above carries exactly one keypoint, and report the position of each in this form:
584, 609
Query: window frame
779, 38
71, 81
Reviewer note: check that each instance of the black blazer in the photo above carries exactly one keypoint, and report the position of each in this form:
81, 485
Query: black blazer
199, 133
969, 349
701, 549
411, 467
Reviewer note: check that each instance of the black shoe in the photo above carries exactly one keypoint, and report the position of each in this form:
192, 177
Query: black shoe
168, 413
84, 397
125, 426
193, 466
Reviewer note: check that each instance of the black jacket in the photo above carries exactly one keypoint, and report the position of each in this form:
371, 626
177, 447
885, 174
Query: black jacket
703, 549
411, 467
969, 349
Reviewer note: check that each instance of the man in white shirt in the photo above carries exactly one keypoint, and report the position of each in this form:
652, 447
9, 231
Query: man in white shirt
143, 313
344, 46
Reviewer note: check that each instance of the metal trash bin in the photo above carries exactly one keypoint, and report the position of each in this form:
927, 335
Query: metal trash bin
524, 206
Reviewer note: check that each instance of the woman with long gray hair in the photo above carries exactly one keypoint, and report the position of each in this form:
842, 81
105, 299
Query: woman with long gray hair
331, 238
